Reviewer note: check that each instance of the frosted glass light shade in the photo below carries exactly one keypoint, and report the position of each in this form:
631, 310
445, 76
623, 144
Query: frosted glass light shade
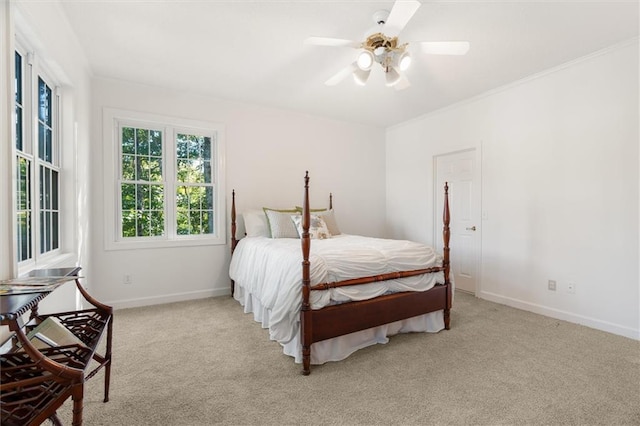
405, 61
365, 60
361, 76
392, 77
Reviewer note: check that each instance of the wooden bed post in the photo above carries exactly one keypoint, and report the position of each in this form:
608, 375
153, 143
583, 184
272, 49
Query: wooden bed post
305, 313
330, 201
446, 234
234, 242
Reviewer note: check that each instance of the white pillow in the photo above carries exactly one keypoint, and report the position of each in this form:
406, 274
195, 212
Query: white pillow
317, 228
255, 223
280, 223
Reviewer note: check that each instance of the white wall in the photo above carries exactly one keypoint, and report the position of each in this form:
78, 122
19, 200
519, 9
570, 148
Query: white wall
559, 185
267, 153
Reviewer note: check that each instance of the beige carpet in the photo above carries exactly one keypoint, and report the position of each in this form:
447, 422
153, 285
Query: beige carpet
205, 362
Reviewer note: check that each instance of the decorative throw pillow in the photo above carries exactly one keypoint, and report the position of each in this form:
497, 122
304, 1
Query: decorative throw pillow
317, 228
280, 224
330, 220
328, 217
256, 224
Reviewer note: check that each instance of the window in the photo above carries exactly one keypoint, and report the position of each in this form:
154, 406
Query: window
169, 181
37, 163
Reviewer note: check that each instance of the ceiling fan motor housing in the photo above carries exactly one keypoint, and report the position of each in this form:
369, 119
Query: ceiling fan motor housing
380, 16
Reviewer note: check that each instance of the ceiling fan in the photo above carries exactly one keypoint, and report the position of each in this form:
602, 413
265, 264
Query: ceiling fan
381, 46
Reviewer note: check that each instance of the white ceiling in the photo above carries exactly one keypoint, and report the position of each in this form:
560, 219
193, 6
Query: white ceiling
253, 51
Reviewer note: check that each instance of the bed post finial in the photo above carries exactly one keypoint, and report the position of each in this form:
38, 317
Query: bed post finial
305, 313
446, 235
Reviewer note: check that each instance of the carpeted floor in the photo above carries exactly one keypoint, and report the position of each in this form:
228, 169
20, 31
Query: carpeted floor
206, 362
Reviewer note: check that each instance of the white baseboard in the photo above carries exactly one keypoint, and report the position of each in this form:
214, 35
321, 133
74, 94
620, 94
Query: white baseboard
563, 315
167, 298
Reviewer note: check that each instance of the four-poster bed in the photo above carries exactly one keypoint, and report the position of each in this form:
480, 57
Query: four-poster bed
414, 293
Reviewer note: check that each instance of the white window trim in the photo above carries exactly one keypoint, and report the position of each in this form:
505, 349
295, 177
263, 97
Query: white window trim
34, 68
112, 119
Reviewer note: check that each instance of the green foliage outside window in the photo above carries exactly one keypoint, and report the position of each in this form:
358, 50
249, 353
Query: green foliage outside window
142, 188
194, 194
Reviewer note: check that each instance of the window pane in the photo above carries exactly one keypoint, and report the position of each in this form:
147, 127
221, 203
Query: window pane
195, 222
143, 168
155, 169
206, 148
54, 190
183, 223
128, 141
19, 142
43, 239
47, 188
48, 145
129, 223
24, 236
208, 172
183, 170
42, 141
55, 243
142, 142
18, 78
128, 192
156, 221
155, 147
128, 167
24, 188
45, 119
208, 200
157, 197
181, 147
143, 224
207, 222
23, 212
44, 102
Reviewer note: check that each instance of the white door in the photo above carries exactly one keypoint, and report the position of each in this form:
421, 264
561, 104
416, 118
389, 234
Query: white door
459, 169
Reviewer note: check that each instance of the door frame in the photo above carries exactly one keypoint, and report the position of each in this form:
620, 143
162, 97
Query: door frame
479, 213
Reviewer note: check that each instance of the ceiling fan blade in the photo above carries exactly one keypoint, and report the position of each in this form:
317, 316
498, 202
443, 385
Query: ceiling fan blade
445, 47
341, 75
328, 41
399, 16
403, 83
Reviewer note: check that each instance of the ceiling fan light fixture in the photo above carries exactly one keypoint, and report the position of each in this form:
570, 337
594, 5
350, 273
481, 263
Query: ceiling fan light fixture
365, 60
361, 76
392, 76
404, 62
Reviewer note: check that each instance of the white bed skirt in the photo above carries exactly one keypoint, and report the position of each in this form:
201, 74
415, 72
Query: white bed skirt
339, 348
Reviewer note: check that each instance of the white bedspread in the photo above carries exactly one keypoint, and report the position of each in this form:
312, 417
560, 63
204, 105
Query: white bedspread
268, 278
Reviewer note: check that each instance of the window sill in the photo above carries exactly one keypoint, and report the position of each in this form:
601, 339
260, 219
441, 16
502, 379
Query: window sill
55, 261
151, 243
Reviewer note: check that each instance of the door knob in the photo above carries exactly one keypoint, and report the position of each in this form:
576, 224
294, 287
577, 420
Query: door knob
473, 228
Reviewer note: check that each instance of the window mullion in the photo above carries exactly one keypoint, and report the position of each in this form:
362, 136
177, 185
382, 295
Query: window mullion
170, 181
34, 147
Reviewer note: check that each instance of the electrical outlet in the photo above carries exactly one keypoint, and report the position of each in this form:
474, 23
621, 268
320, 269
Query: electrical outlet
552, 285
127, 280
571, 288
